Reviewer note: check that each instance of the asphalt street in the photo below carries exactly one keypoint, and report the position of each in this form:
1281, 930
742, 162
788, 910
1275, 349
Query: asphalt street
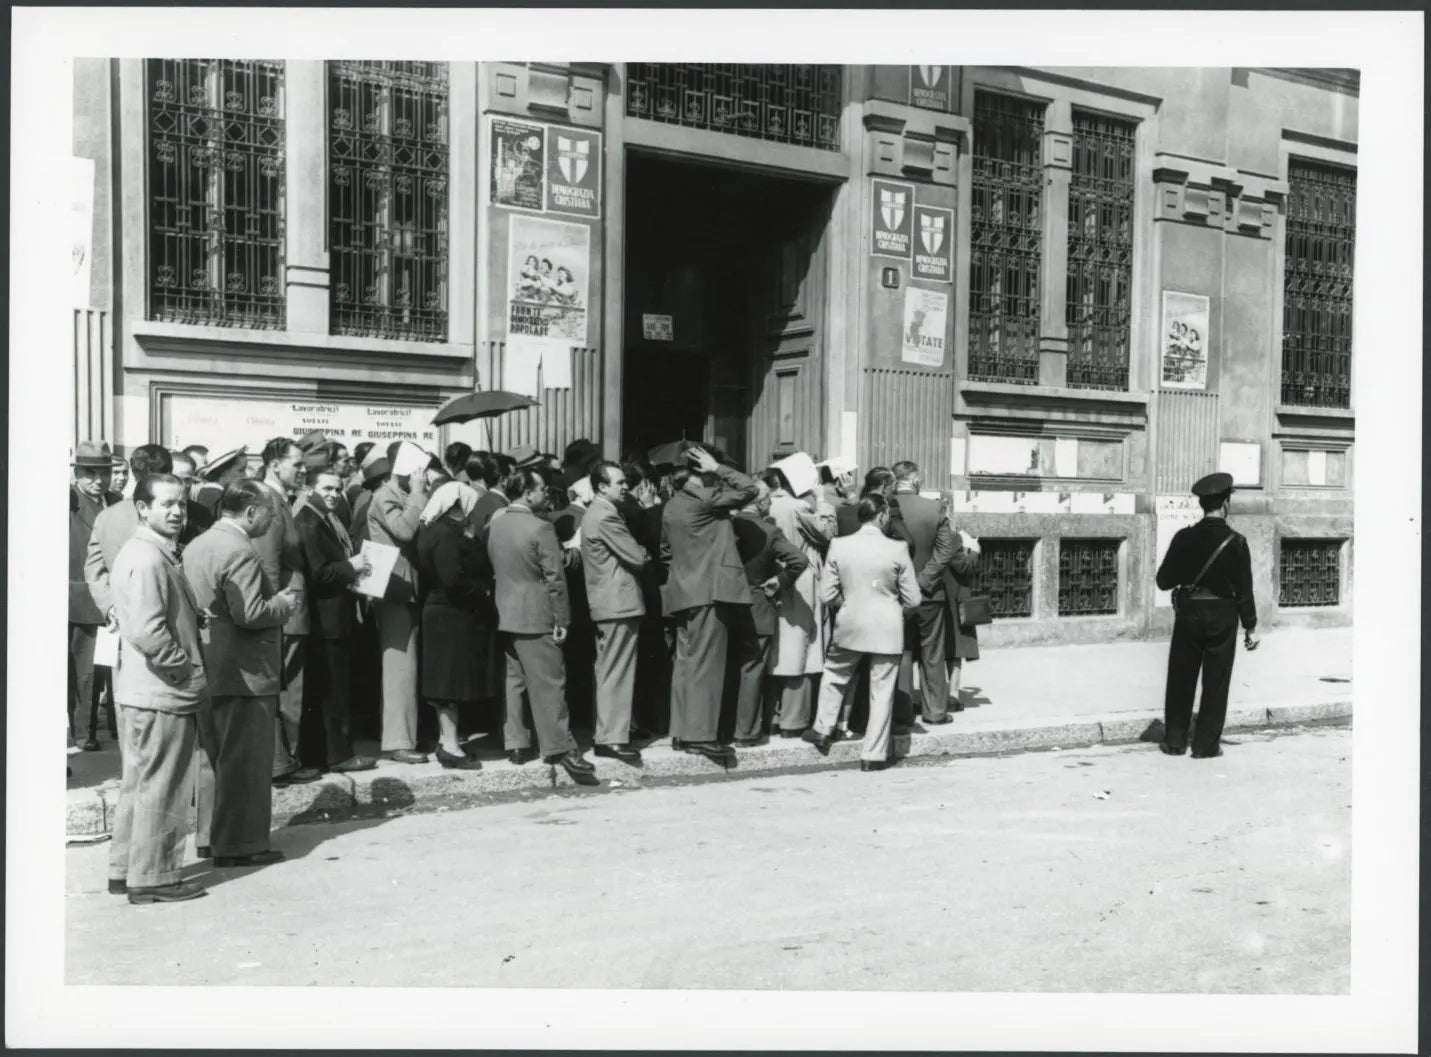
1108, 869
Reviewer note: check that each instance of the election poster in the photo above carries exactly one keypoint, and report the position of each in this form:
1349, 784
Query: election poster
225, 422
573, 171
933, 243
892, 220
549, 273
925, 321
929, 87
518, 164
1184, 342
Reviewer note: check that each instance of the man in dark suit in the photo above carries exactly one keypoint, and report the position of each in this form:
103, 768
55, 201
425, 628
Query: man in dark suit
772, 563
88, 497
333, 568
1213, 559
534, 613
920, 522
705, 579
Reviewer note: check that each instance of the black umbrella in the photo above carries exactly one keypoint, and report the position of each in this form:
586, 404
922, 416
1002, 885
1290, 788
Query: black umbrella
668, 454
487, 403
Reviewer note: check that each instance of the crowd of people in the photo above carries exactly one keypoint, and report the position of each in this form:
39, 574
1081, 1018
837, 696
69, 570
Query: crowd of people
531, 594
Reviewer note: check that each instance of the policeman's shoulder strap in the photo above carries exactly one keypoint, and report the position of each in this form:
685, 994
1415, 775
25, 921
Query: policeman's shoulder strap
1208, 564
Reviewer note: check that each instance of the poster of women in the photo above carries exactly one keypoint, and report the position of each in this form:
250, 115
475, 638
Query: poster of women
549, 271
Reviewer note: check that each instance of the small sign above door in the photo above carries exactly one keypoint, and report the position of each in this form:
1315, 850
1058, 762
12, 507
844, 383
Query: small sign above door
929, 87
933, 243
657, 328
893, 219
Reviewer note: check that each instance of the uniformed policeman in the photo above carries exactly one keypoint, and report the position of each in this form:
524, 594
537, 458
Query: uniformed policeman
1211, 565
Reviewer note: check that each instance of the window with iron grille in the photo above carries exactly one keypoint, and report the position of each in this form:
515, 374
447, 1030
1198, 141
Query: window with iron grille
1005, 574
1309, 573
1100, 252
216, 192
387, 199
1006, 242
1317, 285
780, 103
1087, 577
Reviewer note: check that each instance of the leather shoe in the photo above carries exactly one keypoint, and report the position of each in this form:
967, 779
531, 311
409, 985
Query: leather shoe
302, 776
939, 720
521, 756
117, 887
711, 750
874, 765
406, 756
822, 742
581, 770
354, 763
624, 753
173, 893
203, 851
459, 762
1207, 755
258, 858
1169, 750
91, 744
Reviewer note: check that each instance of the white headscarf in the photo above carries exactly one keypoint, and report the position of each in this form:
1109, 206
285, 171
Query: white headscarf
447, 496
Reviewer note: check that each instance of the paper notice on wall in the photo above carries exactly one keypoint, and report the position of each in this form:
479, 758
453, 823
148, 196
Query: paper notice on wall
381, 559
1065, 457
224, 423
1174, 512
1317, 467
106, 649
849, 434
925, 321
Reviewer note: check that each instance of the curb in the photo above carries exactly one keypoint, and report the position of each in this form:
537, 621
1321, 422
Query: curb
339, 797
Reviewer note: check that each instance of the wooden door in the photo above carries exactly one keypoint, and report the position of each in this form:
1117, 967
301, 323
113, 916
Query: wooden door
788, 317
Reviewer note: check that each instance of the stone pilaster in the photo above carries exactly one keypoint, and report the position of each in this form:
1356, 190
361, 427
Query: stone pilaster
306, 169
1053, 291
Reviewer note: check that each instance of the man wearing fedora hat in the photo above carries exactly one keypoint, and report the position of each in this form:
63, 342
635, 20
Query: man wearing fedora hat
89, 495
1209, 569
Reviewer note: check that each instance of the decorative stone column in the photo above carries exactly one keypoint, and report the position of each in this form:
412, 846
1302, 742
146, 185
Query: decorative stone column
1053, 318
306, 171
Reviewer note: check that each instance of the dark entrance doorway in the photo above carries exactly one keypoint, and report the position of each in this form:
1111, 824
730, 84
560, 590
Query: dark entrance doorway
736, 260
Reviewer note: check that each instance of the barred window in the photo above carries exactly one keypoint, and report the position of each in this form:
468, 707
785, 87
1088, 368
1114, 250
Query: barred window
1309, 572
781, 103
387, 199
1006, 248
1317, 285
216, 192
1100, 252
1005, 574
1087, 577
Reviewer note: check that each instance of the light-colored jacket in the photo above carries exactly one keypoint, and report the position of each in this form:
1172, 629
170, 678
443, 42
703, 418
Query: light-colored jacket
112, 530
531, 578
611, 561
161, 666
244, 649
872, 579
800, 638
393, 517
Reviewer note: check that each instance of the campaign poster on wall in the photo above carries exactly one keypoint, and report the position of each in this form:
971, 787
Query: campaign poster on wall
933, 243
222, 423
893, 218
573, 171
518, 164
929, 87
548, 280
925, 319
1185, 340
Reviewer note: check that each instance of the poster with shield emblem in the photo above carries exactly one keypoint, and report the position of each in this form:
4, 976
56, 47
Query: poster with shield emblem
891, 218
573, 171
933, 243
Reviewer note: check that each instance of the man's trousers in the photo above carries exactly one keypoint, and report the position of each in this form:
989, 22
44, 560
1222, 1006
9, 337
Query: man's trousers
536, 694
290, 705
842, 666
793, 698
616, 642
156, 784
1205, 639
698, 675
330, 682
397, 639
924, 642
82, 711
238, 733
748, 657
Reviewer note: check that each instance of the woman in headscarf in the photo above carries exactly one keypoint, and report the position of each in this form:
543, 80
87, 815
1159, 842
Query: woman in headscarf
457, 604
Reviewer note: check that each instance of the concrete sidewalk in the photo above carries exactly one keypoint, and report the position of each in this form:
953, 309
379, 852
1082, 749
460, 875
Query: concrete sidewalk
1016, 699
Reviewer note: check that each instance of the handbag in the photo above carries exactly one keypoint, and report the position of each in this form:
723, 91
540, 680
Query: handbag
1183, 592
975, 610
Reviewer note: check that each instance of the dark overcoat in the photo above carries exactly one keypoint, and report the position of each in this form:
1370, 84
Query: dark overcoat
961, 642
457, 606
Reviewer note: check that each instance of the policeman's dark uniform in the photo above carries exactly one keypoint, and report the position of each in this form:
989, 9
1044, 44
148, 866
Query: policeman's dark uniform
1205, 628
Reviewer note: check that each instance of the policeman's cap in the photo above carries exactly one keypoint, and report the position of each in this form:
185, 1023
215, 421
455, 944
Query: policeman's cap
1213, 484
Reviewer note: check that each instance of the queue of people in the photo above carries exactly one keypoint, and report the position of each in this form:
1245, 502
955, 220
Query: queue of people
529, 594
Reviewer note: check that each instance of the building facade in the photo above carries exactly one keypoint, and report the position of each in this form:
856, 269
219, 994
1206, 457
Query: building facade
1064, 293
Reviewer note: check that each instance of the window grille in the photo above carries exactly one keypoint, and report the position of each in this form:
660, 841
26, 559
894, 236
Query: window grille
1310, 573
1100, 252
1006, 249
387, 199
216, 192
780, 103
1005, 574
1087, 577
1317, 285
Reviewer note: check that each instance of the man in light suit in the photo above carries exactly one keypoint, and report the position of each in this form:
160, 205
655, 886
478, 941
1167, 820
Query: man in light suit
244, 657
280, 548
705, 579
921, 523
772, 564
612, 563
115, 524
533, 616
871, 578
